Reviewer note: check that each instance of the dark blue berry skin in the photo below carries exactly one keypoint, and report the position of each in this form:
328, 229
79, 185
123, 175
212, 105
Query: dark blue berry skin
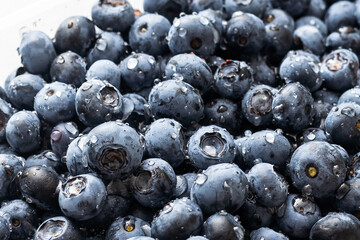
37, 52
245, 33
141, 114
69, 68
195, 238
153, 183
317, 8
148, 34
22, 89
293, 107
45, 158
39, 185
180, 218
82, 197
76, 33
113, 15
269, 187
165, 139
310, 39
98, 101
347, 195
267, 233
263, 73
11, 166
239, 156
223, 113
293, 7
313, 134
61, 136
256, 7
296, 217
22, 218
351, 95
198, 5
128, 227
192, 69
256, 105
318, 168
223, 225
303, 69
109, 46
341, 13
215, 17
339, 70
17, 72
326, 96
74, 157
233, 79
105, 70
183, 184
280, 18
113, 150
59, 227
168, 8
211, 145
23, 132
3, 94
313, 21
55, 102
4, 229
193, 33
5, 113
220, 187
166, 97
141, 238
138, 71
336, 226
342, 123
345, 37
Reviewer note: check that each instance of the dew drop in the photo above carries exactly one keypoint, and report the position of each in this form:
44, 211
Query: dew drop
132, 63
311, 136
60, 60
101, 44
269, 137
201, 179
348, 111
93, 139
204, 21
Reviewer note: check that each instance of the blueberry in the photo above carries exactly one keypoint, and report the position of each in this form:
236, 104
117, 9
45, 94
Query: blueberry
193, 33
351, 95
180, 218
313, 134
168, 8
148, 34
292, 107
74, 161
317, 8
336, 226
211, 145
192, 69
69, 68
166, 97
164, 139
82, 197
45, 158
297, 216
345, 37
313, 21
6, 111
113, 150
223, 225
326, 96
263, 72
340, 13
141, 238
105, 70
108, 46
37, 52
153, 183
215, 17
5, 229
220, 187
61, 136
141, 115
256, 7
186, 180
267, 233
318, 168
279, 17
347, 195
310, 39
10, 169
23, 131
293, 7
58, 228
97, 101
76, 33
233, 79
128, 227
198, 5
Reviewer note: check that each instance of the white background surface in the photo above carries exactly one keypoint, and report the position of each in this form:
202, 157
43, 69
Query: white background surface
43, 15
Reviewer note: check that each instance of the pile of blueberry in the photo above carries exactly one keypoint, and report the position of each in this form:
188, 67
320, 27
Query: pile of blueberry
197, 119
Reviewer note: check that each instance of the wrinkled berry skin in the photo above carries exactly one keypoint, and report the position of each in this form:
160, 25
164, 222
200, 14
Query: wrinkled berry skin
336, 226
113, 15
211, 145
59, 227
23, 131
82, 197
292, 107
233, 79
164, 139
128, 227
10, 166
55, 102
267, 233
76, 34
166, 97
298, 216
180, 219
113, 150
97, 101
318, 167
222, 186
153, 183
37, 52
